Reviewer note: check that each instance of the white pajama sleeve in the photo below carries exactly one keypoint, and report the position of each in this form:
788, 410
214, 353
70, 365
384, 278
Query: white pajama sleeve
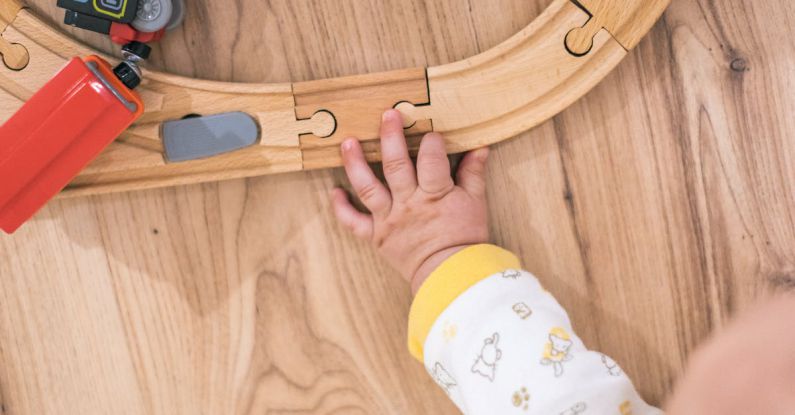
505, 346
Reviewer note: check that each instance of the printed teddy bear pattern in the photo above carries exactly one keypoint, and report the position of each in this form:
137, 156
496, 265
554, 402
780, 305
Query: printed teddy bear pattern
443, 378
490, 354
556, 351
522, 310
577, 409
511, 274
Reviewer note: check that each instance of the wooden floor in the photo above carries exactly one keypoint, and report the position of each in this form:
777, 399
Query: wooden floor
654, 209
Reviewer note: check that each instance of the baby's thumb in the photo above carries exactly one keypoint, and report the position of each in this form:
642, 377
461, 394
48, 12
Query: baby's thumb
472, 172
360, 224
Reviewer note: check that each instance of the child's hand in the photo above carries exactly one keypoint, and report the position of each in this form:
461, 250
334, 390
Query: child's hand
423, 217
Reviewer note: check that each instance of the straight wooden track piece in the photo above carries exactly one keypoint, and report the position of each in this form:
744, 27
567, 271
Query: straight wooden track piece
357, 103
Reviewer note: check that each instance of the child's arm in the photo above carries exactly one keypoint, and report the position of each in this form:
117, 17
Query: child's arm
488, 333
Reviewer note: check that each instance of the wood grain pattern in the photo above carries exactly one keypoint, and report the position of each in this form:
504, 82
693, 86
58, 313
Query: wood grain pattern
653, 209
356, 104
474, 102
626, 20
13, 56
541, 79
8, 10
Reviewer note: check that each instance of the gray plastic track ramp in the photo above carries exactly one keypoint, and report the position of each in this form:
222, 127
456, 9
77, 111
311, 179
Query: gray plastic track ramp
202, 137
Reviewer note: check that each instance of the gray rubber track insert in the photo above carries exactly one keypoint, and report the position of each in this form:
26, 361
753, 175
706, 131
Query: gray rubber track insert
202, 137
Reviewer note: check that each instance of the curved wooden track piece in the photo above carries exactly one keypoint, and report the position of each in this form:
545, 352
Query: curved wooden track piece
493, 96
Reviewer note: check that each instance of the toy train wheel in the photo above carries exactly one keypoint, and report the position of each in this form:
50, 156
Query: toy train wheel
153, 15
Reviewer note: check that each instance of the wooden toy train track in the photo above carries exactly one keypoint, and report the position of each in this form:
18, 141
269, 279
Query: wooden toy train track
482, 100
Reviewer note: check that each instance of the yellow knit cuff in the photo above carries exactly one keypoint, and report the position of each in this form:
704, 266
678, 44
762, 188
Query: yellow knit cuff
451, 279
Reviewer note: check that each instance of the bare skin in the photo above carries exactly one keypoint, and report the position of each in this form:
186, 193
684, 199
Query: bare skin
748, 368
421, 216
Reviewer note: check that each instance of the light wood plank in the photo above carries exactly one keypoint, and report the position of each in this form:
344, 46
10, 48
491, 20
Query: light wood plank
654, 209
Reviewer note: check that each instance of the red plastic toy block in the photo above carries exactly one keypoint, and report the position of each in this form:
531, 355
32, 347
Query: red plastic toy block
61, 129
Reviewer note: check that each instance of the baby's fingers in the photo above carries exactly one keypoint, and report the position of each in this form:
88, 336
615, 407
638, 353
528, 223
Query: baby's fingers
433, 167
373, 194
472, 172
359, 223
398, 168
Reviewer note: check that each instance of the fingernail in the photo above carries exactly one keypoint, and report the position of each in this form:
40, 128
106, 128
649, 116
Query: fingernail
347, 145
388, 115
